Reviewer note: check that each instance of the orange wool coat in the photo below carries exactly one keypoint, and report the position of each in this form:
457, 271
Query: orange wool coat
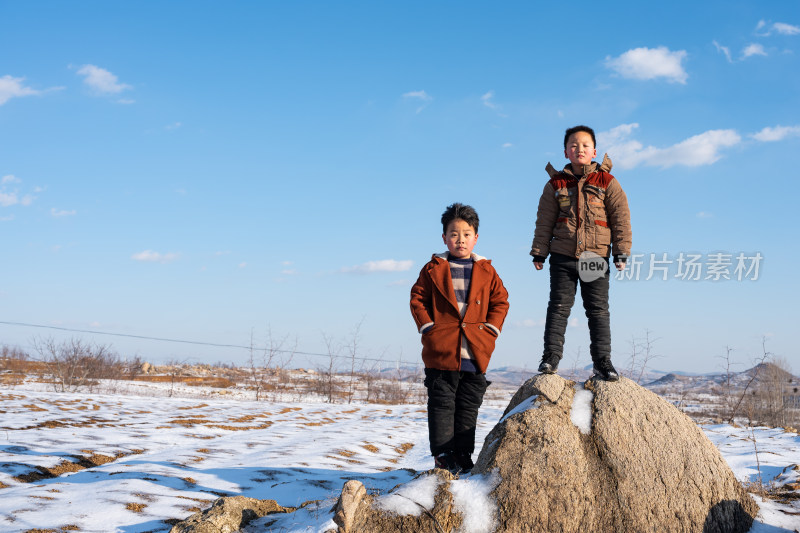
433, 300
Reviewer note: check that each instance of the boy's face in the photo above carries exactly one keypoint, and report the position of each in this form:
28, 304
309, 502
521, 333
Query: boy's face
580, 149
460, 239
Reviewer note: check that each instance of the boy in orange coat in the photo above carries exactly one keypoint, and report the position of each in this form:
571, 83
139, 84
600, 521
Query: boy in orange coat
459, 304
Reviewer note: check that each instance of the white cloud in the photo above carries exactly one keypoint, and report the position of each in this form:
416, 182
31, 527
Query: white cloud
786, 29
154, 257
615, 135
699, 150
487, 100
778, 133
62, 212
101, 80
778, 27
288, 272
704, 214
507, 145
242, 265
650, 63
384, 265
725, 50
126, 101
528, 323
8, 199
173, 126
7, 219
11, 87
419, 95
753, 50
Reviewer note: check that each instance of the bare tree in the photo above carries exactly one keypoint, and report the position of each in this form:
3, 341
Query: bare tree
14, 365
771, 396
175, 371
327, 376
74, 363
728, 392
572, 373
642, 353
255, 373
352, 348
753, 375
634, 344
264, 372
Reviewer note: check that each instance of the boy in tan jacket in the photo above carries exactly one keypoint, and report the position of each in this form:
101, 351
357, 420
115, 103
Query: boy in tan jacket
583, 218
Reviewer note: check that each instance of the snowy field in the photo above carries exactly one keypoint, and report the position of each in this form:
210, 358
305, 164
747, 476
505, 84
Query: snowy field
125, 463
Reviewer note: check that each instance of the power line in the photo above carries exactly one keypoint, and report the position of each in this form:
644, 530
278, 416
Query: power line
199, 343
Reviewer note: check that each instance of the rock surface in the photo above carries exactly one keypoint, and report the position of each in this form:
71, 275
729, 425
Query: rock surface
228, 515
645, 466
356, 511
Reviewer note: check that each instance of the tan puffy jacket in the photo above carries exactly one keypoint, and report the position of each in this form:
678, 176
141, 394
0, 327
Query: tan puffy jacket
582, 213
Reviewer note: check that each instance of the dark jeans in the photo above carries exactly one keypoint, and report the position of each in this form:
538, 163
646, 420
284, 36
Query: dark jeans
453, 401
564, 281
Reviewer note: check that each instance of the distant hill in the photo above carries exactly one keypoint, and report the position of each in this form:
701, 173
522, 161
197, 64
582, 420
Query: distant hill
515, 375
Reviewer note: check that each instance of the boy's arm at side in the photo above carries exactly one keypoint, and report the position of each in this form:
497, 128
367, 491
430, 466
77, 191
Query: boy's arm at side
546, 216
619, 221
498, 305
420, 302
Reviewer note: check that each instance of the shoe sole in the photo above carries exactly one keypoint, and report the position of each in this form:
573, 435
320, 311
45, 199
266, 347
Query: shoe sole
606, 378
548, 370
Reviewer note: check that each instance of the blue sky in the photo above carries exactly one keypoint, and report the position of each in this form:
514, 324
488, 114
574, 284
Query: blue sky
206, 171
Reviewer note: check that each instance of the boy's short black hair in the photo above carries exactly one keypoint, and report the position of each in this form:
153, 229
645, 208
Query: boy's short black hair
460, 211
576, 129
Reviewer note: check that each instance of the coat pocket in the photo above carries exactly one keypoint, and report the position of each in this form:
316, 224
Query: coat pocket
602, 233
566, 199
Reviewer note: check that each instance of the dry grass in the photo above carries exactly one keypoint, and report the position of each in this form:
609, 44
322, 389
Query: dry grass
79, 462
345, 453
403, 448
61, 529
135, 507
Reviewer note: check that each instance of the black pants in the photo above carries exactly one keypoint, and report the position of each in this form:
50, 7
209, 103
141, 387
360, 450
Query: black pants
564, 281
453, 401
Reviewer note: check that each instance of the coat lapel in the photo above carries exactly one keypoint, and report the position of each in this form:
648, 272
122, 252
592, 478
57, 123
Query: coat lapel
444, 283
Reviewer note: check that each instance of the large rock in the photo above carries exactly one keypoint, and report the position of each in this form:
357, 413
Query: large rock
642, 465
358, 512
228, 514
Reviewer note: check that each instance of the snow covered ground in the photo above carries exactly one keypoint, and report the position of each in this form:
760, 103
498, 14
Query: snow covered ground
160, 459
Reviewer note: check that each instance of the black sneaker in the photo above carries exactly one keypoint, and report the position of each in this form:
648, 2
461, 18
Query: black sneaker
464, 460
447, 461
549, 364
605, 370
